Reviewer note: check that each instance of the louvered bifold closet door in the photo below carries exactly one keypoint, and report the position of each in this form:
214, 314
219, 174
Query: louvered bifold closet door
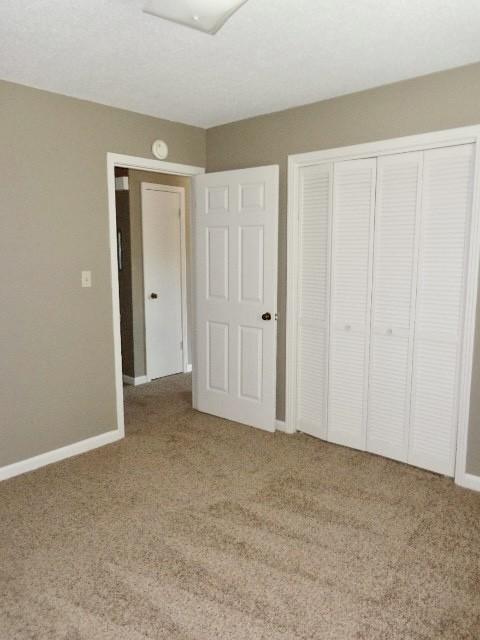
393, 303
446, 209
314, 257
351, 281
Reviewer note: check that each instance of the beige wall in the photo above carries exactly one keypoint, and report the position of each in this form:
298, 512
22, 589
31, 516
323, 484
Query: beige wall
440, 101
56, 344
138, 302
56, 341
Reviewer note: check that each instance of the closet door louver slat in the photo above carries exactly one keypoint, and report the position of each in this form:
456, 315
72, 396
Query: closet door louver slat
446, 209
393, 303
314, 293
352, 234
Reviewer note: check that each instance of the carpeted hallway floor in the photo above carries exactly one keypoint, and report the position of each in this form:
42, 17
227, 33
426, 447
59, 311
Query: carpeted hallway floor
195, 528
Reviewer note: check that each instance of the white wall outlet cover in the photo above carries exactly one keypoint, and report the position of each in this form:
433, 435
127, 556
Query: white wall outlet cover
160, 149
86, 278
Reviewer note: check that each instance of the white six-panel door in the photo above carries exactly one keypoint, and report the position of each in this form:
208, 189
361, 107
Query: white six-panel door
235, 270
164, 291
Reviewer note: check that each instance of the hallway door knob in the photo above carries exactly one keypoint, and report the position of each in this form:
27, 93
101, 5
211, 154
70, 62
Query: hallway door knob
154, 296
266, 316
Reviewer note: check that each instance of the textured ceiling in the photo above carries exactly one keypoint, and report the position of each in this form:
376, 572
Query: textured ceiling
272, 54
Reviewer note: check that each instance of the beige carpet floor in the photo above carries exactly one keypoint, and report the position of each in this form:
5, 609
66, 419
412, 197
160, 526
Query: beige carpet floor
196, 528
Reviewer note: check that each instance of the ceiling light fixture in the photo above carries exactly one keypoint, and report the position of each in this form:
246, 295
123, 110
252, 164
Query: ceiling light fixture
204, 15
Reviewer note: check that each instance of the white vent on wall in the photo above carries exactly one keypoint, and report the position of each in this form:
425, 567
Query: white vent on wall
204, 15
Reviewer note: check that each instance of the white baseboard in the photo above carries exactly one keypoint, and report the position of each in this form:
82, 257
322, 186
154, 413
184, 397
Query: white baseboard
189, 368
468, 481
281, 425
17, 468
135, 381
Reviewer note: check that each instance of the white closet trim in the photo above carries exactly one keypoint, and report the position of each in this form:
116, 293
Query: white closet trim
451, 137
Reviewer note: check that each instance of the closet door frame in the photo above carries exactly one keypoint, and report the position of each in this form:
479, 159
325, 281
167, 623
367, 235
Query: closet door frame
422, 142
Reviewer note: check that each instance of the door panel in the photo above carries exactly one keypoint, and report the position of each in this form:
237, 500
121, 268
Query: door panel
250, 371
217, 263
346, 402
315, 207
352, 239
251, 264
217, 356
236, 283
162, 281
393, 303
446, 210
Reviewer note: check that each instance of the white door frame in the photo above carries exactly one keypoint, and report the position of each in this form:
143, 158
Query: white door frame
141, 164
183, 266
449, 137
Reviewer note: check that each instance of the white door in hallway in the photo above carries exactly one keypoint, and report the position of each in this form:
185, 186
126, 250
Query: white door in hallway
164, 286
235, 271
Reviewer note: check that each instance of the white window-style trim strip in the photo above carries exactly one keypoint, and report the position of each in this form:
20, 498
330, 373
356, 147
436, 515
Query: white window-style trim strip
450, 137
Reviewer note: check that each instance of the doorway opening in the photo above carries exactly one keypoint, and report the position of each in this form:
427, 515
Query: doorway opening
150, 246
153, 250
